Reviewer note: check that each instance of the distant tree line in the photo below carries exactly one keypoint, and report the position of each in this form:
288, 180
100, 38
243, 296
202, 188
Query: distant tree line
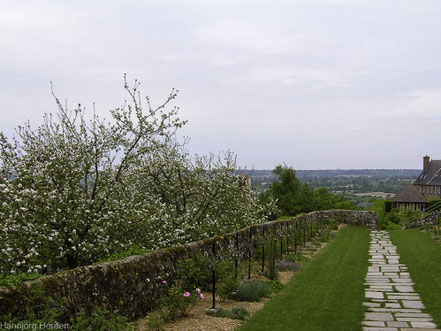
293, 197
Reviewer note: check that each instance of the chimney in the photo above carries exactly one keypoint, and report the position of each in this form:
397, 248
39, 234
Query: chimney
426, 162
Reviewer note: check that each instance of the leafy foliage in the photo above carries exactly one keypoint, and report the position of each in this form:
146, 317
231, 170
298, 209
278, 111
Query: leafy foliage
193, 272
379, 207
131, 251
15, 279
45, 310
101, 319
276, 285
397, 219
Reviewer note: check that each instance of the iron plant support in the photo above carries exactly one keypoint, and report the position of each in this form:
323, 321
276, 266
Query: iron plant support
235, 255
295, 239
281, 242
304, 233
213, 274
263, 249
249, 255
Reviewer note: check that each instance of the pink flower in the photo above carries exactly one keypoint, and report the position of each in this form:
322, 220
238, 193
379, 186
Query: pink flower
164, 282
202, 296
187, 294
198, 290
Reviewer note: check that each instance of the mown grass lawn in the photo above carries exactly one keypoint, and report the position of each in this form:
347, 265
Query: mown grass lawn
327, 294
422, 255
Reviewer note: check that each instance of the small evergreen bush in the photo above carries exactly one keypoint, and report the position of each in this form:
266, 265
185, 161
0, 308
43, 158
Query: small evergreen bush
229, 285
252, 290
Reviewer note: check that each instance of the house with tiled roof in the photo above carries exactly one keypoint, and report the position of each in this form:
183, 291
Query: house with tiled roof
426, 186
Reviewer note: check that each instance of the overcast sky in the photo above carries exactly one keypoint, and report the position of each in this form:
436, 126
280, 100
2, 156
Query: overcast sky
315, 84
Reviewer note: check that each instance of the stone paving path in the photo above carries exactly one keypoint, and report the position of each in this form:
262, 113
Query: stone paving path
392, 302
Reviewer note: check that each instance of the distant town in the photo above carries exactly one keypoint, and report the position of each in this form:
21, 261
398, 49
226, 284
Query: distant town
358, 185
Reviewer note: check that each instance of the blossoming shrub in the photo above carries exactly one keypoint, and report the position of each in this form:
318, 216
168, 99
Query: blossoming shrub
178, 302
77, 190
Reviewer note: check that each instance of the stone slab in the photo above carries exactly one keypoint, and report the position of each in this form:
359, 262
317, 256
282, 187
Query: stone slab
398, 324
373, 323
413, 319
400, 288
374, 295
397, 310
412, 315
392, 305
402, 280
427, 325
396, 297
413, 304
379, 317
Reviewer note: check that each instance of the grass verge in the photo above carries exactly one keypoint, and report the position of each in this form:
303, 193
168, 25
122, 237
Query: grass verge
422, 255
326, 295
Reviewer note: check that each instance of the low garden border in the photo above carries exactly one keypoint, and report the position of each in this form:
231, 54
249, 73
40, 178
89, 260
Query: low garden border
133, 285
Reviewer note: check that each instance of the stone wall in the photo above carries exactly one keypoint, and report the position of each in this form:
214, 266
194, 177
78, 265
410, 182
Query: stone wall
133, 285
429, 220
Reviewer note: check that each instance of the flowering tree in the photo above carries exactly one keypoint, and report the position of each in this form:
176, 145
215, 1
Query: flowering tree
75, 190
